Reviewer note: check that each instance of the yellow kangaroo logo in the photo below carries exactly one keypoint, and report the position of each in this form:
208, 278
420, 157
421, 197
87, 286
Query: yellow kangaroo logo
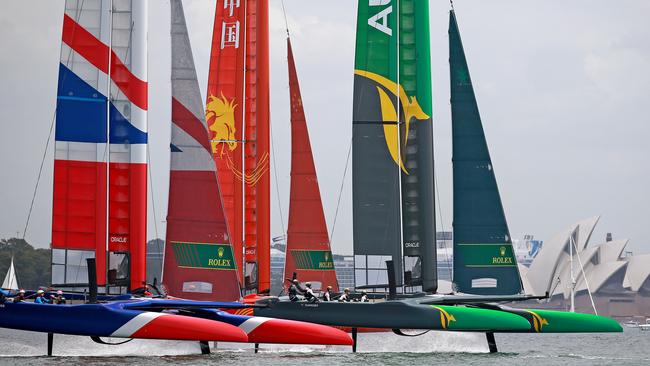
538, 322
445, 317
389, 113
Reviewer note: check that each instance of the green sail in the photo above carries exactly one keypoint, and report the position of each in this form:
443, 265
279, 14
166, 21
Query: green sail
484, 261
392, 143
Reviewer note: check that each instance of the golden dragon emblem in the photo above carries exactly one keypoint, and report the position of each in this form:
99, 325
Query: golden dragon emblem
220, 115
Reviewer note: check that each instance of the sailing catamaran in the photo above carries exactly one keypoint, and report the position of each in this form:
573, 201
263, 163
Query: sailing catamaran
393, 198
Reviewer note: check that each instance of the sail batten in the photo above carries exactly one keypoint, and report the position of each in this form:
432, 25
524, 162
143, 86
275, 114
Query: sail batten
484, 261
309, 254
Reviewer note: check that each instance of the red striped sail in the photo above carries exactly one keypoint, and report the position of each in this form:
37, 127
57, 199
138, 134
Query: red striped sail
199, 261
100, 170
237, 111
308, 247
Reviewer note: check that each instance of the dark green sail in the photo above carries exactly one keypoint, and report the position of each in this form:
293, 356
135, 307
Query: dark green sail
484, 261
392, 144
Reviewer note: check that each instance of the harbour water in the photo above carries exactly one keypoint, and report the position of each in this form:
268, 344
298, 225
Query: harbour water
435, 348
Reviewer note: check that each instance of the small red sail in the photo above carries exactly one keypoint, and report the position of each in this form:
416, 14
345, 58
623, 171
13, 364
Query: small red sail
199, 260
308, 246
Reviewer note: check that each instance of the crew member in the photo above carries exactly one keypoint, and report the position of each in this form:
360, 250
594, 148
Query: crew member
59, 299
40, 298
327, 296
293, 290
345, 297
309, 293
364, 297
20, 297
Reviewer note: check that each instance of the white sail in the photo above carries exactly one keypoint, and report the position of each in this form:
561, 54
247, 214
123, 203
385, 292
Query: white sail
10, 282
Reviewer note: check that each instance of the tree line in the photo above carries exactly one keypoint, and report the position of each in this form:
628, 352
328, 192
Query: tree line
33, 266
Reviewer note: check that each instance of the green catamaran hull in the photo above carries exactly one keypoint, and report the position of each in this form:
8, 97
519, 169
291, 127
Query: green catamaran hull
409, 314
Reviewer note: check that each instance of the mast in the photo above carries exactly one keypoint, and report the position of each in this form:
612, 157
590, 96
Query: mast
572, 288
308, 247
199, 260
237, 111
127, 175
101, 117
484, 260
418, 199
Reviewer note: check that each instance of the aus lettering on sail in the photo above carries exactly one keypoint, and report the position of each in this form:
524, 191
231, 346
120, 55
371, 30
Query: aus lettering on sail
379, 20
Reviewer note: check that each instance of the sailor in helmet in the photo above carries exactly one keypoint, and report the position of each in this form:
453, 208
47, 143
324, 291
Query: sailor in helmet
59, 299
345, 297
293, 290
40, 298
327, 296
309, 293
20, 297
364, 297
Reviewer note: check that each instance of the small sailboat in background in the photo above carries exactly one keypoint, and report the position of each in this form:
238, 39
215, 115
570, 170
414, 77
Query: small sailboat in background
10, 282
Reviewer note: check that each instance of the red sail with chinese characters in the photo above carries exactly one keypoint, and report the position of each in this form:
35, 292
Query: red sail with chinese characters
308, 247
237, 112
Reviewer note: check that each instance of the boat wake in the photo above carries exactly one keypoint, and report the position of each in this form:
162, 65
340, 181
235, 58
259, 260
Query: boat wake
29, 344
21, 343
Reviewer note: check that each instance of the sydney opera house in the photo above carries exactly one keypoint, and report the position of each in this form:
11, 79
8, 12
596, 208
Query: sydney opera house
618, 281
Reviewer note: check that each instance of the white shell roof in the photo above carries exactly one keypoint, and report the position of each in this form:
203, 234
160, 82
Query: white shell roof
552, 259
599, 275
638, 271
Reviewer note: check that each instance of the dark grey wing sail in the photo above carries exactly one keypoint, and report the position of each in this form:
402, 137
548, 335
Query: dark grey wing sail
484, 260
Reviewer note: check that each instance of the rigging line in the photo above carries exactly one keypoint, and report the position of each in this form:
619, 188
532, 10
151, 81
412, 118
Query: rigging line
49, 136
442, 224
153, 201
338, 203
40, 172
582, 269
286, 23
277, 185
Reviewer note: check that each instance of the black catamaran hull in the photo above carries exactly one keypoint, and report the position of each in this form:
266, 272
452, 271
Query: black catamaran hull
411, 314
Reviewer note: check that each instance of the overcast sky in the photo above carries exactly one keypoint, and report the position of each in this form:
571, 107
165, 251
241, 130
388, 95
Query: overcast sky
563, 88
